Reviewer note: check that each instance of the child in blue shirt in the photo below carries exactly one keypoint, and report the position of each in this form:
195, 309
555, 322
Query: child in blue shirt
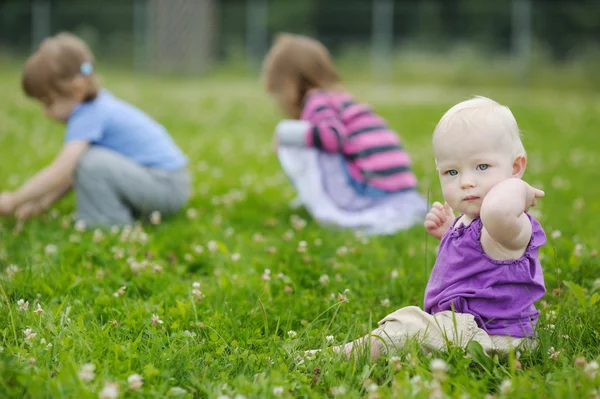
121, 163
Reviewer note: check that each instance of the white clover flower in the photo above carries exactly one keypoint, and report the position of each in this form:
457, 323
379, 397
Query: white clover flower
278, 391
212, 246
98, 236
80, 226
87, 372
292, 334
155, 217
198, 249
438, 369
330, 339
110, 391
372, 387
591, 369
195, 284
196, 293
191, 213
324, 279
438, 365
342, 251
23, 305
11, 271
266, 276
553, 354
154, 320
505, 387
120, 292
235, 257
135, 381
51, 249
29, 335
385, 303
39, 310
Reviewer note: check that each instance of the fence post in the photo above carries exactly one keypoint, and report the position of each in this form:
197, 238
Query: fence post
140, 35
382, 37
521, 38
40, 22
257, 18
180, 34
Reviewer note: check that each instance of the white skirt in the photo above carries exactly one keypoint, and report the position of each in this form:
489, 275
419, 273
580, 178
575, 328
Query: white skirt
322, 184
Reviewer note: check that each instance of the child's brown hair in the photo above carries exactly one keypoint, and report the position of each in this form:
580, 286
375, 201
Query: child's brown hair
50, 70
294, 65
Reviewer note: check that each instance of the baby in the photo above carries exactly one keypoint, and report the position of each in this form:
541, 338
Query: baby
487, 276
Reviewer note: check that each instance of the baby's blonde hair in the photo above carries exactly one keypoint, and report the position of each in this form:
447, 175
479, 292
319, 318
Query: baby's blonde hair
294, 65
50, 69
481, 114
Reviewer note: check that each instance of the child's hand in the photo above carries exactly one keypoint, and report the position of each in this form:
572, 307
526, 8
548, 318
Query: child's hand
439, 219
27, 210
7, 203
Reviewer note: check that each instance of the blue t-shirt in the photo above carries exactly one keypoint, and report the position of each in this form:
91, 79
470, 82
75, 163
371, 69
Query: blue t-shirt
114, 124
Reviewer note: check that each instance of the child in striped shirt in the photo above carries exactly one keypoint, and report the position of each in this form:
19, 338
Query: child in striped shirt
347, 165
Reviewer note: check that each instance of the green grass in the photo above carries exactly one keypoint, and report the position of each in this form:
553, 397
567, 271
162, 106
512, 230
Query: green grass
235, 340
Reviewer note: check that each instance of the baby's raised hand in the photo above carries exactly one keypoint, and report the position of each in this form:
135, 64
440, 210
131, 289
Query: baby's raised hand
439, 219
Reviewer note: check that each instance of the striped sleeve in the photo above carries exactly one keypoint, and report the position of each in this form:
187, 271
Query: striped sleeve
326, 130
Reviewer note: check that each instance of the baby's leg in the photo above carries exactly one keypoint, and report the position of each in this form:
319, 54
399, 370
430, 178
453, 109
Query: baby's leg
433, 332
112, 189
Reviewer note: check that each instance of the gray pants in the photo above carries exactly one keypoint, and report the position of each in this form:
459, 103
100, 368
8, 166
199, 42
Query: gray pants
113, 190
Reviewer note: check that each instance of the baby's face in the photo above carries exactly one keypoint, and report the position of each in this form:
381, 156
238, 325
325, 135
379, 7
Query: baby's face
469, 165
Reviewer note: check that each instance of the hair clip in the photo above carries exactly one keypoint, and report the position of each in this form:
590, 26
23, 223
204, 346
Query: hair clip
86, 69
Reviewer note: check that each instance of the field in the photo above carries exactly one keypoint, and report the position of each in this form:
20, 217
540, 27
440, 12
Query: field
223, 299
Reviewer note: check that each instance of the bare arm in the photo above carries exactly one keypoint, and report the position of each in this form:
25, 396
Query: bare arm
37, 206
503, 213
54, 178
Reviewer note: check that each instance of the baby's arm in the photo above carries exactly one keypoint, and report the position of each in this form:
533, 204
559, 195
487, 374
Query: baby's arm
57, 177
503, 213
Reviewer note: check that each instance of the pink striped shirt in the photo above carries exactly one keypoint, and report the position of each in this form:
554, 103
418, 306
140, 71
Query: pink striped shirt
372, 150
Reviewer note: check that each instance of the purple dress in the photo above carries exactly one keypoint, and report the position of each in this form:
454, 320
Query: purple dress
500, 294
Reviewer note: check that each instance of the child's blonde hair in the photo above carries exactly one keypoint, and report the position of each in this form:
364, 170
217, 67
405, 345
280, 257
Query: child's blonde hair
481, 114
294, 65
50, 69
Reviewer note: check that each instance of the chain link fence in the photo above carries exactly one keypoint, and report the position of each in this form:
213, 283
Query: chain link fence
194, 36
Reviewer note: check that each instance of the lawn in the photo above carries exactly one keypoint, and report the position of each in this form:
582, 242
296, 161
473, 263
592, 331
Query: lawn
225, 297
